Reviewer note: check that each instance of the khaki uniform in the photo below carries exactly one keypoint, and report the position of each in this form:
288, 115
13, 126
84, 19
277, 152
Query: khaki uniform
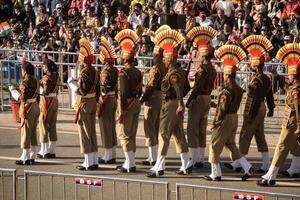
86, 109
288, 140
49, 108
153, 100
108, 106
254, 113
171, 124
226, 123
29, 111
199, 104
129, 90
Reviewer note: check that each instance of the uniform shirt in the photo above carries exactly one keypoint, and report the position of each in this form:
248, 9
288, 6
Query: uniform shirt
154, 80
173, 83
28, 88
86, 81
108, 79
204, 81
129, 84
259, 88
49, 82
291, 106
229, 101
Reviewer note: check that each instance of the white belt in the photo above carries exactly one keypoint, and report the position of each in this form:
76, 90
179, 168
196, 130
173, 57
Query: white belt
30, 100
90, 95
109, 93
51, 95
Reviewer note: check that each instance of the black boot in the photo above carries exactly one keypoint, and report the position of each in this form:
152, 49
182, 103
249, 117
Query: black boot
155, 174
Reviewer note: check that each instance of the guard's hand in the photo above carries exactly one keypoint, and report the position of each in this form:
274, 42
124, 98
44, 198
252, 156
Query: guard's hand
212, 126
121, 119
180, 110
11, 87
70, 80
270, 113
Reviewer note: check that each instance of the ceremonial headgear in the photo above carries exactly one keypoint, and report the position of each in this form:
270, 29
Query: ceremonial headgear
107, 52
257, 46
128, 39
202, 36
289, 54
86, 52
168, 40
230, 55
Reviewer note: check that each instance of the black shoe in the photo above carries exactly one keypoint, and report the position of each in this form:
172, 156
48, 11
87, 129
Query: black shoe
32, 161
248, 174
124, 170
47, 155
287, 174
148, 163
79, 167
198, 165
229, 166
93, 167
185, 172
208, 178
261, 171
265, 183
155, 174
111, 161
21, 162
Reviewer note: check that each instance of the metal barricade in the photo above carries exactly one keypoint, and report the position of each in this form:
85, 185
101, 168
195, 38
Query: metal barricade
7, 184
59, 187
201, 192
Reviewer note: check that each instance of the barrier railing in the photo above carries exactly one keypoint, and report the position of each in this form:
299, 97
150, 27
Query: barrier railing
117, 188
7, 184
196, 191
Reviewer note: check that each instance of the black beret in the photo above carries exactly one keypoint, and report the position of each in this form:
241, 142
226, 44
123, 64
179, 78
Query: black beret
28, 67
52, 67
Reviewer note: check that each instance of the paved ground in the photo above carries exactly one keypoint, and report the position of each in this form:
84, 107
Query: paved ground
69, 156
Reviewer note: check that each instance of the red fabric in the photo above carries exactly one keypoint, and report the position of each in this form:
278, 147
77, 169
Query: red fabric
77, 4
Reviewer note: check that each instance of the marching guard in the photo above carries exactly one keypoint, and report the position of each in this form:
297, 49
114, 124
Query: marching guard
259, 89
153, 100
290, 132
172, 111
225, 121
201, 78
49, 107
108, 102
129, 105
87, 89
28, 112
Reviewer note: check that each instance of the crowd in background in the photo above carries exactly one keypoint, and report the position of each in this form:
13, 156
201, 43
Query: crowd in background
57, 25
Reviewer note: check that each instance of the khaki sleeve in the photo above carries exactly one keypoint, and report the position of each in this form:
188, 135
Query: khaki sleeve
222, 107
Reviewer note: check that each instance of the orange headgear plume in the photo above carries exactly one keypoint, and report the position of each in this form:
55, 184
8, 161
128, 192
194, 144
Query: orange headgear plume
162, 28
289, 54
230, 55
169, 40
257, 46
107, 52
128, 39
202, 36
86, 52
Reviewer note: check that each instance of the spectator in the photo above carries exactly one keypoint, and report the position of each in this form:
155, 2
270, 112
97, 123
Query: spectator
135, 2
41, 16
121, 19
59, 15
294, 24
178, 7
190, 19
74, 17
151, 19
246, 31
99, 26
220, 20
137, 16
202, 20
258, 8
90, 18
226, 32
202, 5
242, 19
51, 27
106, 18
274, 8
29, 15
225, 5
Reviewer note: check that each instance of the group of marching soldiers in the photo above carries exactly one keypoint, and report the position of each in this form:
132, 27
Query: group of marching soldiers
116, 96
